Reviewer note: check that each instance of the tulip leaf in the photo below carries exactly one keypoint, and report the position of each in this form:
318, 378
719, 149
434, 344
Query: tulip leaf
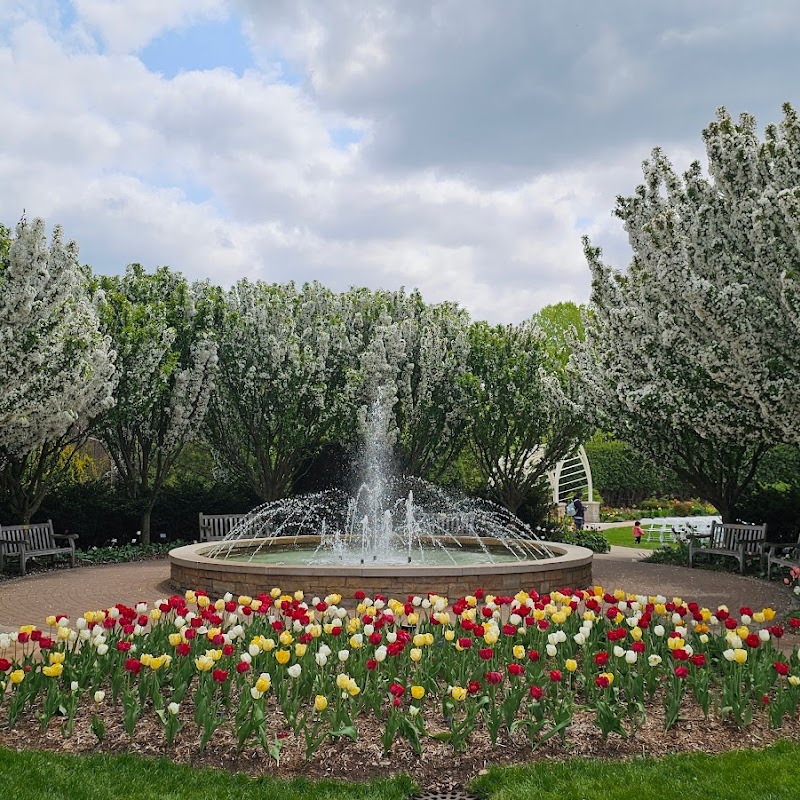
349, 731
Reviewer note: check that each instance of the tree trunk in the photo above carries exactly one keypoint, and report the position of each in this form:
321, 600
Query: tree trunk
144, 522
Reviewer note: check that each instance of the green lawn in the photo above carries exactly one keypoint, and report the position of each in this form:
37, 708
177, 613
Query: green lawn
624, 537
771, 773
33, 775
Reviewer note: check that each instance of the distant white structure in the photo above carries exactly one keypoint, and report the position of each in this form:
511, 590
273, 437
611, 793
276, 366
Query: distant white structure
573, 475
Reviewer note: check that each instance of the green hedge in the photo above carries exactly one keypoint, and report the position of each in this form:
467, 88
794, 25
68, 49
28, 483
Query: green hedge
625, 478
777, 504
99, 514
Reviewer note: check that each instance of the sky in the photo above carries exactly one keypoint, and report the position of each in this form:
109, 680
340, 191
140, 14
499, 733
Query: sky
462, 147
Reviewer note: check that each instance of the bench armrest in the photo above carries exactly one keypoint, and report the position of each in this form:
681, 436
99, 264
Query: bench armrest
71, 536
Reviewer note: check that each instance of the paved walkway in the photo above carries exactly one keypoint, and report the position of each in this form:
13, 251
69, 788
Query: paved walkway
30, 599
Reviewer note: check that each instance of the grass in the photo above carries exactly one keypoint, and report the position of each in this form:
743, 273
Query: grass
771, 772
33, 775
623, 537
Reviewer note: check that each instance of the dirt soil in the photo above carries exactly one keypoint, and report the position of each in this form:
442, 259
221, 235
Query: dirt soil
437, 767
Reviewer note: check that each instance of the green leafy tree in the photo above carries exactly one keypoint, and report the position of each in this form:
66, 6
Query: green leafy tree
522, 420
166, 357
562, 325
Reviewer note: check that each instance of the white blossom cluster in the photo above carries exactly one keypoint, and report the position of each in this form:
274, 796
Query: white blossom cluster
56, 367
697, 346
166, 360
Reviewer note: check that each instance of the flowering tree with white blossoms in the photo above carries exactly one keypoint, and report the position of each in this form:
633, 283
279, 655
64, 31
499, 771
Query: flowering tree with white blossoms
415, 361
280, 395
693, 355
56, 367
166, 358
522, 419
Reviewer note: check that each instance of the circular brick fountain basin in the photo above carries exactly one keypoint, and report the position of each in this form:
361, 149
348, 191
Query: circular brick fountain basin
191, 568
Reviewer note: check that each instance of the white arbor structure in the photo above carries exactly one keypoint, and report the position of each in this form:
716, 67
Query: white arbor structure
572, 475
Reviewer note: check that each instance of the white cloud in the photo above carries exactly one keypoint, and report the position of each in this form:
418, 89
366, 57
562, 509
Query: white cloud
493, 137
125, 27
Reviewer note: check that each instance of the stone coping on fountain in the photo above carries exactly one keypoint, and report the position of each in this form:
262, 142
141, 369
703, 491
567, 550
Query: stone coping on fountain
190, 568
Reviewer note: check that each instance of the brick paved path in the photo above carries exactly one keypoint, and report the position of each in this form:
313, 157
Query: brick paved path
72, 591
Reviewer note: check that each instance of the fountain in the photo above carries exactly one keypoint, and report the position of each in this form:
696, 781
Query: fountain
394, 536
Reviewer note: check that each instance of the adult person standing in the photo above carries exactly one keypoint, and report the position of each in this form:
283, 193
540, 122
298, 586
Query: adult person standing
578, 517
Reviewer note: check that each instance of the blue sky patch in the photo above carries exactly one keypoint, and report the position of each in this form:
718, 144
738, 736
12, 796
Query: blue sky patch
200, 47
342, 137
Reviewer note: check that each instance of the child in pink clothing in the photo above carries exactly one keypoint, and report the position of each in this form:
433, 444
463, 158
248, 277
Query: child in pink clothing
637, 532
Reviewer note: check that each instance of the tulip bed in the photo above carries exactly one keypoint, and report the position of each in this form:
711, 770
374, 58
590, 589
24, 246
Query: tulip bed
319, 670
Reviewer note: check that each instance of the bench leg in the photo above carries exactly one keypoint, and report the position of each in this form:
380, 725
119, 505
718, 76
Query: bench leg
22, 563
72, 559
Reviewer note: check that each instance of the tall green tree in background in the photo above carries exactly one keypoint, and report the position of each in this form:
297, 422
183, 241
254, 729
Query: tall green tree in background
56, 366
562, 326
522, 420
166, 359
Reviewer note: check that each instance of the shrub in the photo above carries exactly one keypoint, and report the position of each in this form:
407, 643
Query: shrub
776, 504
625, 478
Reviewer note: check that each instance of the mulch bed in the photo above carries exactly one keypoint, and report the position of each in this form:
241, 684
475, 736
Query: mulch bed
438, 766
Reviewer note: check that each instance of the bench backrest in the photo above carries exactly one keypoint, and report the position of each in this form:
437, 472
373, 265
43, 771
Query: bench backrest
38, 536
728, 536
214, 527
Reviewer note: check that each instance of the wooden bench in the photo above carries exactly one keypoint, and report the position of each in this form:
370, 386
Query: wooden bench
214, 527
30, 541
782, 555
738, 540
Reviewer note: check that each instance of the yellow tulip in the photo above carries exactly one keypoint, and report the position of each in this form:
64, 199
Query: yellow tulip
17, 676
300, 649
204, 663
739, 655
458, 693
53, 670
342, 679
146, 659
320, 702
175, 639
518, 651
449, 635
56, 658
203, 601
244, 600
282, 656
769, 614
491, 637
191, 597
418, 692
63, 633
353, 688
50, 621
559, 618
571, 665
413, 618
415, 654
263, 683
793, 679
215, 654
267, 645
743, 631
275, 593
418, 640
609, 675
285, 638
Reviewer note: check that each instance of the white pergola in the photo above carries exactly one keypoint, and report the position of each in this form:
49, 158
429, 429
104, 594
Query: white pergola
571, 475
